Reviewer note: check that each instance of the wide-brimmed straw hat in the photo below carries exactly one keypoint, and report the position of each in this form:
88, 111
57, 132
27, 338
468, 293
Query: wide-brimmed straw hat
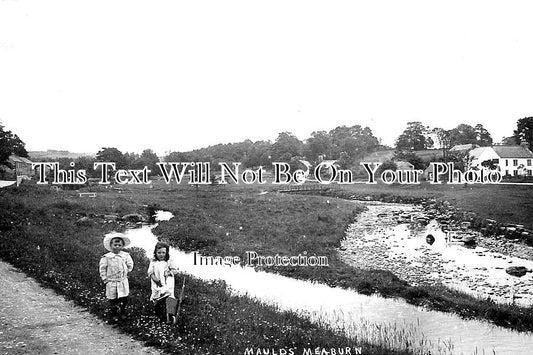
111, 236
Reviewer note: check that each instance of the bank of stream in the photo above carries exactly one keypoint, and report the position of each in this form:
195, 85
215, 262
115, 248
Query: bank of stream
391, 237
365, 318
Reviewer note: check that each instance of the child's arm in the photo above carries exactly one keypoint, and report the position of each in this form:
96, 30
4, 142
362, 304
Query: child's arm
102, 268
172, 269
152, 276
129, 263
157, 282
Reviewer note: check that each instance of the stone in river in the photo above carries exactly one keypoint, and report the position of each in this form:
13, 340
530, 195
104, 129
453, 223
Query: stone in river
517, 271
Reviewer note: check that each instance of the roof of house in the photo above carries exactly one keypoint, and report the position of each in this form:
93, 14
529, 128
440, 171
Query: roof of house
476, 152
463, 147
17, 159
512, 151
403, 165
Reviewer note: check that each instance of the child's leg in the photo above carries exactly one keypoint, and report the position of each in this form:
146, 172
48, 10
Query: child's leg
113, 309
122, 303
160, 309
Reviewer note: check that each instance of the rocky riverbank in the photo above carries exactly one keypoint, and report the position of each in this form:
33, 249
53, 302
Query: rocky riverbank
393, 237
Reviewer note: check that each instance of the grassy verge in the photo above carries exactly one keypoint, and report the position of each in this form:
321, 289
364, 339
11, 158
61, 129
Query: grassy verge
41, 233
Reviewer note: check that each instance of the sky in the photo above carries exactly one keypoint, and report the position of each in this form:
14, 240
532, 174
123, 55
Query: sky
179, 75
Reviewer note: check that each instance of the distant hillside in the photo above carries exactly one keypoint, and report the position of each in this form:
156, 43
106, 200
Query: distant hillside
54, 154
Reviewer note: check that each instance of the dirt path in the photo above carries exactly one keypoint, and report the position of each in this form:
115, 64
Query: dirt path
35, 320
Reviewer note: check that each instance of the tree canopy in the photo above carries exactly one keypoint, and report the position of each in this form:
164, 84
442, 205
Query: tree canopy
414, 137
286, 147
112, 155
10, 144
354, 142
149, 159
524, 131
345, 144
466, 134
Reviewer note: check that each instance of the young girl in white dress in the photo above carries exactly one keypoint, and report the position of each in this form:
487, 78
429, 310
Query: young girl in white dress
161, 272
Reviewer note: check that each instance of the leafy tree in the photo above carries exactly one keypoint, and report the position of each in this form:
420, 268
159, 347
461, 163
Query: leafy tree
286, 147
10, 144
344, 160
130, 159
320, 143
247, 152
86, 163
414, 137
112, 155
466, 134
463, 134
180, 157
149, 159
258, 154
354, 141
483, 136
524, 131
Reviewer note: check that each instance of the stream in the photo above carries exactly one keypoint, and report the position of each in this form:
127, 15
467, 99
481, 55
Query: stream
378, 320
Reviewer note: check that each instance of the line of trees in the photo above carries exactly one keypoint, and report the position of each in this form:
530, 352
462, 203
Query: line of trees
344, 144
419, 137
347, 145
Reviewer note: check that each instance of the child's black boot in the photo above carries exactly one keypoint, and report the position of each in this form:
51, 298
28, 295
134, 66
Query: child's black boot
113, 314
122, 309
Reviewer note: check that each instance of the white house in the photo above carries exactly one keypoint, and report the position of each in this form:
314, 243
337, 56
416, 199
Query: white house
481, 154
511, 160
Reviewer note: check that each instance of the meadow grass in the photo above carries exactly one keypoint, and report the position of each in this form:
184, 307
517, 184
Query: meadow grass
503, 203
41, 233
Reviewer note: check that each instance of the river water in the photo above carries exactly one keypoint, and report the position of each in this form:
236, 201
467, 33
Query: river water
385, 321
